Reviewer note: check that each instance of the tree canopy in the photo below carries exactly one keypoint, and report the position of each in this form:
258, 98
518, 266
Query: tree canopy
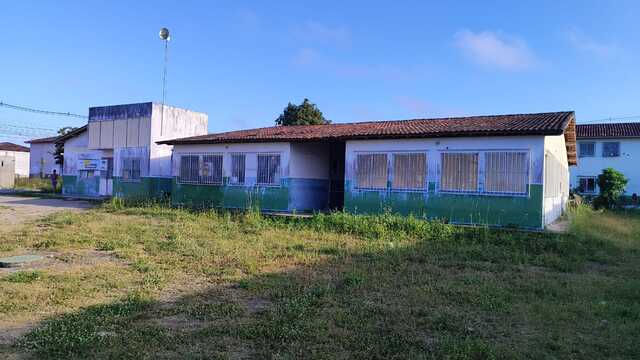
306, 113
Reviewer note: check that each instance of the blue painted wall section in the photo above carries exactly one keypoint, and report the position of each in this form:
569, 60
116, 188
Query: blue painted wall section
120, 111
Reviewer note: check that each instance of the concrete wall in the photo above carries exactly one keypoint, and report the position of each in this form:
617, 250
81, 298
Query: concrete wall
556, 182
625, 163
502, 210
304, 178
172, 124
74, 183
41, 160
21, 159
7, 172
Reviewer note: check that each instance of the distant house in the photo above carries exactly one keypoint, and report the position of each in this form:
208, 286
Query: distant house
20, 156
116, 152
503, 170
600, 146
41, 162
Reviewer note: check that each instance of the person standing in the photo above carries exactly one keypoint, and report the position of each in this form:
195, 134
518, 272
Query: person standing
54, 180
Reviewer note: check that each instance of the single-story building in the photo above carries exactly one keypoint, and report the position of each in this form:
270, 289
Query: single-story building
20, 156
41, 162
601, 146
502, 170
117, 152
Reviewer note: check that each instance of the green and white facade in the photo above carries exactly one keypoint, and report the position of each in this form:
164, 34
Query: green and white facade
512, 178
116, 152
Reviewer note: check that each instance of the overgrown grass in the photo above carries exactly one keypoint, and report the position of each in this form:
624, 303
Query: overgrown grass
216, 284
37, 184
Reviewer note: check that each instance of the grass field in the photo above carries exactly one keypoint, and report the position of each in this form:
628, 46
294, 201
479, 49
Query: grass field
37, 184
153, 282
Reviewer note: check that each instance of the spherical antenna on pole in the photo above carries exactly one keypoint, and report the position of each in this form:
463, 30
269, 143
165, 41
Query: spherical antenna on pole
164, 36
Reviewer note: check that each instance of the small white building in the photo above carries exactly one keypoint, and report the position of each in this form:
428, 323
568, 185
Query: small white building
41, 162
117, 153
601, 146
20, 156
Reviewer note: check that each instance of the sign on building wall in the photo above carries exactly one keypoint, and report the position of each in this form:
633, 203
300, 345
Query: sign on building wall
92, 164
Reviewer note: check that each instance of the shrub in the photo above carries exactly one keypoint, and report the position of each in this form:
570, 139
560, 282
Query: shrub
612, 184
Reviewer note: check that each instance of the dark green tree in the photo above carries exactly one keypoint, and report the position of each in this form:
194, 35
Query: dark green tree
306, 113
58, 153
612, 184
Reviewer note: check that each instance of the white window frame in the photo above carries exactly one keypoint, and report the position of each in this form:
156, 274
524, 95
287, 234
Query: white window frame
391, 170
481, 172
278, 182
123, 169
386, 187
244, 165
595, 184
199, 180
510, 193
604, 143
478, 174
580, 154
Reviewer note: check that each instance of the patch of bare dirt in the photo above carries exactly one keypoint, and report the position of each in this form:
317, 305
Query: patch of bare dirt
15, 210
61, 261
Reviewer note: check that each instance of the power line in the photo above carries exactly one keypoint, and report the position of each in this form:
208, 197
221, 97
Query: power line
40, 111
609, 119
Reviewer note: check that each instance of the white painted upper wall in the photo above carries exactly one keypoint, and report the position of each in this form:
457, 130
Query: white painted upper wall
309, 161
41, 160
434, 146
77, 148
21, 161
173, 123
251, 150
556, 178
625, 163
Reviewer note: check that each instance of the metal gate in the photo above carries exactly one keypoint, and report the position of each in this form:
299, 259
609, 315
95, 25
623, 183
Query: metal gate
7, 172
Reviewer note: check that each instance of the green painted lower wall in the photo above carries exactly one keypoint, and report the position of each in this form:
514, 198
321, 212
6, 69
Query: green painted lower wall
146, 188
519, 211
231, 196
74, 185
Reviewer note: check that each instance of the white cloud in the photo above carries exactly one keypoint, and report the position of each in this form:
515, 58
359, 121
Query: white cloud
495, 49
306, 57
583, 43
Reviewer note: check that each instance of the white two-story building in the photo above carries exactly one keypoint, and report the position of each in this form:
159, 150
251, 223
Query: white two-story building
601, 146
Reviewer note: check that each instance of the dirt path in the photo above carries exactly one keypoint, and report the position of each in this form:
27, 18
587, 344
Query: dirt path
16, 209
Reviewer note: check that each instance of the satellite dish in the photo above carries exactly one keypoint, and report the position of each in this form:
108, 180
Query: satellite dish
164, 34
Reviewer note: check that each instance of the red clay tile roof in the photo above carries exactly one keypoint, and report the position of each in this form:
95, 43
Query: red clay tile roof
611, 130
7, 146
494, 125
42, 140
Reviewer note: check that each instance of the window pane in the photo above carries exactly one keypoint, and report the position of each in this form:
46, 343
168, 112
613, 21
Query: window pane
211, 169
189, 166
506, 172
588, 184
268, 169
459, 172
610, 149
587, 149
409, 171
238, 162
371, 171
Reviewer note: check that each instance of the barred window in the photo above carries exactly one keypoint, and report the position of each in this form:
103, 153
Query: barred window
409, 171
201, 169
371, 171
211, 169
587, 184
189, 165
268, 169
130, 169
587, 149
610, 149
506, 172
238, 165
459, 172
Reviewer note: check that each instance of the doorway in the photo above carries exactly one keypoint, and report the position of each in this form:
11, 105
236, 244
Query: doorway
106, 177
336, 176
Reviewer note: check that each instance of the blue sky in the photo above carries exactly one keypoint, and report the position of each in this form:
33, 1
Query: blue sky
241, 62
